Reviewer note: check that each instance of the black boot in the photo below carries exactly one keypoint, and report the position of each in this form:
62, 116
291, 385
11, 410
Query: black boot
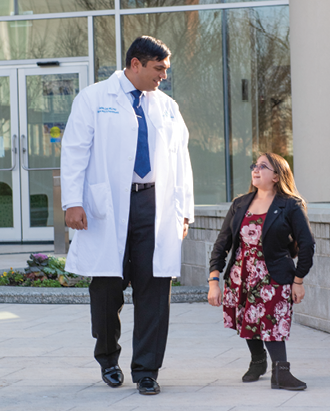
258, 366
282, 378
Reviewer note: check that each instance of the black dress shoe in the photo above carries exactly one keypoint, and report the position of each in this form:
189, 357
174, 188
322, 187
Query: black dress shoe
148, 386
113, 376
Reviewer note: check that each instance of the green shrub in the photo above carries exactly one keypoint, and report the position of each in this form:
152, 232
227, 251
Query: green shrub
83, 283
42, 271
4, 281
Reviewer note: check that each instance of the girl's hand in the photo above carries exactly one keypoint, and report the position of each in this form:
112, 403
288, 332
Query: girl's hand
298, 291
214, 296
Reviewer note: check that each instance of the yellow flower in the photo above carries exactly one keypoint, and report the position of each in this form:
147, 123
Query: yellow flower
4, 274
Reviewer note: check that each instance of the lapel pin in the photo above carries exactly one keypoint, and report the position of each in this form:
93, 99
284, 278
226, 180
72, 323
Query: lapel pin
275, 212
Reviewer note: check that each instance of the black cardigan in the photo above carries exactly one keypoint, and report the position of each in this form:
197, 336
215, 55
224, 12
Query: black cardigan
286, 219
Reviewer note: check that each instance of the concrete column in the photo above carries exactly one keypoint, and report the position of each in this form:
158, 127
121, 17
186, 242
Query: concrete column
310, 69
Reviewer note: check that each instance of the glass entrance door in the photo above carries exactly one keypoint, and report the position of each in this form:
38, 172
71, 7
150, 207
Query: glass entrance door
35, 104
45, 99
10, 215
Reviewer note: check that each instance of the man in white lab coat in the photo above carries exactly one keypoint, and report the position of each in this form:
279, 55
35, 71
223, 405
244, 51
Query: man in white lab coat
127, 189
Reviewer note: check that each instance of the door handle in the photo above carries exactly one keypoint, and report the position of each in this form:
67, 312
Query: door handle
24, 154
13, 156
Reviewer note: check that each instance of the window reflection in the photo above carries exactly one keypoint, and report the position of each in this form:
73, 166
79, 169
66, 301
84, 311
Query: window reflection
259, 88
134, 4
49, 100
240, 1
8, 7
257, 59
6, 192
195, 82
43, 39
104, 47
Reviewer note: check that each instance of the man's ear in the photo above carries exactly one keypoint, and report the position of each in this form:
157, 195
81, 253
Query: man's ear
135, 65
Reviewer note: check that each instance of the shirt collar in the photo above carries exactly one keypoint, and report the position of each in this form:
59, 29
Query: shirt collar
126, 85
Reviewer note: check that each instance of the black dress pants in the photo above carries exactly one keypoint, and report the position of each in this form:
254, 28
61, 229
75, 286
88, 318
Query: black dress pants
151, 297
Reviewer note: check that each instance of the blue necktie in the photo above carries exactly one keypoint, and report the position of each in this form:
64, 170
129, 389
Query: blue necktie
142, 160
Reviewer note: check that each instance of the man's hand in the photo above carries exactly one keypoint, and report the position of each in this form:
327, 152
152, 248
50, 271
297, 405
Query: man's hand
185, 228
75, 217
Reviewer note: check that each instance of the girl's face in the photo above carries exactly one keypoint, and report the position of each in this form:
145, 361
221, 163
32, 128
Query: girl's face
263, 174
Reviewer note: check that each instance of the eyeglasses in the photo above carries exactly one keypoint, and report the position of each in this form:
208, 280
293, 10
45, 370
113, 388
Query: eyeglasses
255, 167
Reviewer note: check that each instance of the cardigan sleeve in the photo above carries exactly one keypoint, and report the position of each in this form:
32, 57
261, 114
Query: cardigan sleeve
223, 243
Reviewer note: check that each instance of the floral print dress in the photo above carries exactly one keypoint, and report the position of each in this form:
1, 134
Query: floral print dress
253, 303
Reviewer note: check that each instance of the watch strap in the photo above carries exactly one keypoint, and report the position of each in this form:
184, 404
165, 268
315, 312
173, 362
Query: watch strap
213, 279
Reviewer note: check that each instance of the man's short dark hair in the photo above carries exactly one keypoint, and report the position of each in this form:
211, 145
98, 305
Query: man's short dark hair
146, 48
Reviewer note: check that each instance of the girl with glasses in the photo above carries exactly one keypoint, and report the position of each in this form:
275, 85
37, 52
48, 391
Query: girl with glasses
265, 229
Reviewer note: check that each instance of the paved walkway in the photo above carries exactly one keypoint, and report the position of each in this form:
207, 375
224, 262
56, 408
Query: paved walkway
46, 364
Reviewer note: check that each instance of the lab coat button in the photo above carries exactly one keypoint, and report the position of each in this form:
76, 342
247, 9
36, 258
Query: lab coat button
123, 220
130, 158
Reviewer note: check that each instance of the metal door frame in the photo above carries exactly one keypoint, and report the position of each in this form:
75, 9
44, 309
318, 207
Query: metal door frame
10, 234
37, 233
20, 176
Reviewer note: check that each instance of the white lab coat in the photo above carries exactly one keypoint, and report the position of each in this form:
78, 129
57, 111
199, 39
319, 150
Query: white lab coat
98, 155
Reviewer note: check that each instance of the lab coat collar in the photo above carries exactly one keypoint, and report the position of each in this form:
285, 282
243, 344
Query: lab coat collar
115, 83
118, 82
154, 109
114, 87
127, 85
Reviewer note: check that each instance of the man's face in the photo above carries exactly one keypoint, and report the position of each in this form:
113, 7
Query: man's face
150, 76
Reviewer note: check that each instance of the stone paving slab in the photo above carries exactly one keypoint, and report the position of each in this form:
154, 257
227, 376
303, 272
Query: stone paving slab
46, 363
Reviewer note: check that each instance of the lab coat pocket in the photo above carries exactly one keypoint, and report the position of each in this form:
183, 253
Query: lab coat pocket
99, 200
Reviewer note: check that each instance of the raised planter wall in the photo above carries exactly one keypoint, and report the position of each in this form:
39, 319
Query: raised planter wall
314, 311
